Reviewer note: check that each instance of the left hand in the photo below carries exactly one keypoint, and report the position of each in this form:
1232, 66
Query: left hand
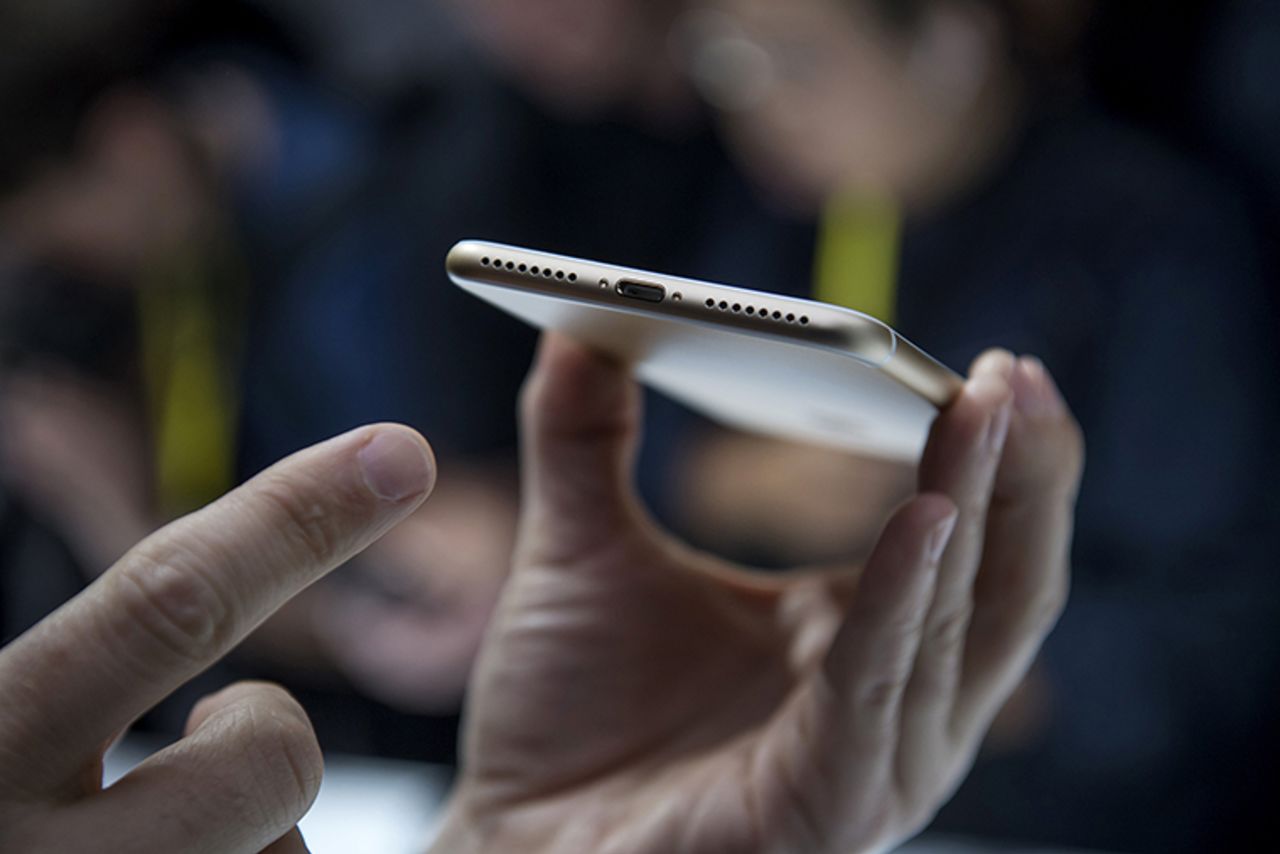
249, 766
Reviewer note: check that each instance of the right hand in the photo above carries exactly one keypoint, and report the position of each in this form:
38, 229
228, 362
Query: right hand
633, 696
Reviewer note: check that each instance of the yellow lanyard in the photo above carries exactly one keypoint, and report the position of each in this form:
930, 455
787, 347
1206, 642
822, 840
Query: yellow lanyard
189, 382
859, 243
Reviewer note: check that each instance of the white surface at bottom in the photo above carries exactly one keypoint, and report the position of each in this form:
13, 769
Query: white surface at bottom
381, 806
365, 806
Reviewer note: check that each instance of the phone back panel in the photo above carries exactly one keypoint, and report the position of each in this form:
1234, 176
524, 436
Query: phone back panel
750, 380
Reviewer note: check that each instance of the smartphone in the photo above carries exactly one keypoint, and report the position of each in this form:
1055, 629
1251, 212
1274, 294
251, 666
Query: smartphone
775, 365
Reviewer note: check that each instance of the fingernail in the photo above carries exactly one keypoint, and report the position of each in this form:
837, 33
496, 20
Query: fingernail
998, 362
1034, 394
939, 538
395, 466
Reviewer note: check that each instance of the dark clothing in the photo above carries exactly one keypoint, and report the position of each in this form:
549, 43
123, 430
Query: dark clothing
363, 323
1137, 280
1130, 273
355, 320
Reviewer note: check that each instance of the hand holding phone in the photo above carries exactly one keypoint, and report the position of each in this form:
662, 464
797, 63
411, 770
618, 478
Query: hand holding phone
634, 694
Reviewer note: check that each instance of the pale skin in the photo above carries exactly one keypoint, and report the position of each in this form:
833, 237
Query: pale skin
631, 695
634, 696
249, 765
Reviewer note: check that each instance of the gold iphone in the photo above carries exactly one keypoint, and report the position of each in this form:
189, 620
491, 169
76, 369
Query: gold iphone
775, 365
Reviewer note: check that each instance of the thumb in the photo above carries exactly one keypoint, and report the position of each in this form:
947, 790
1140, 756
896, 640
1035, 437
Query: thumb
580, 415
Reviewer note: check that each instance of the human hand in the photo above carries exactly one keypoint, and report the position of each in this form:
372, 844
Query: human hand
73, 449
248, 767
634, 696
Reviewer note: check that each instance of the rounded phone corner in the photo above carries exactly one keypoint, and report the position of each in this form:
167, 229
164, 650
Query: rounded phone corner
463, 259
861, 336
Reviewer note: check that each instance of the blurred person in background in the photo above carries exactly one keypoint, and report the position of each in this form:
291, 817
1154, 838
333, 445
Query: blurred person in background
124, 283
119, 288
356, 322
957, 179
969, 194
966, 183
140, 184
345, 196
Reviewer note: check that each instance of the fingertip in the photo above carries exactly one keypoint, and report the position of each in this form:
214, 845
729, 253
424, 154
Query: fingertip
934, 508
996, 361
247, 692
556, 345
985, 410
561, 357
1048, 445
990, 390
1035, 393
397, 464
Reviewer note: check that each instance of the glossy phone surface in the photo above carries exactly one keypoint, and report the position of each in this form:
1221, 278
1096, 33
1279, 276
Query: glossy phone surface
775, 365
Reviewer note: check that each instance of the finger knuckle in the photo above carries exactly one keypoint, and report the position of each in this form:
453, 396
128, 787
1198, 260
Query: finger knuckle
308, 527
879, 821
1046, 608
883, 694
949, 630
179, 607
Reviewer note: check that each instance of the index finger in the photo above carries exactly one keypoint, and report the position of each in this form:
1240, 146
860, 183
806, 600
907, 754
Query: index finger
186, 595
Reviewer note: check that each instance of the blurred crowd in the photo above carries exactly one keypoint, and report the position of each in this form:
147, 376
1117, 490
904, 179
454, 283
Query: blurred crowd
222, 235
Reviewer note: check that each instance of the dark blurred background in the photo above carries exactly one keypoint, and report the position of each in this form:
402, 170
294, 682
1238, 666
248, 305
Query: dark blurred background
222, 233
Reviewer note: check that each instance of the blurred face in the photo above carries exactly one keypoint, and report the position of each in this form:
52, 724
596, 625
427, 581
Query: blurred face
128, 192
577, 55
820, 97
